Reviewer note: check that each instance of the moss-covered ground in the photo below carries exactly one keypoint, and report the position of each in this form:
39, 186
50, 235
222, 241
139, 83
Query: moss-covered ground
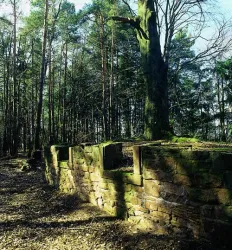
36, 216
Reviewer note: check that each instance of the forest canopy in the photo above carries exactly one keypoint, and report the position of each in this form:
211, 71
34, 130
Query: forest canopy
114, 70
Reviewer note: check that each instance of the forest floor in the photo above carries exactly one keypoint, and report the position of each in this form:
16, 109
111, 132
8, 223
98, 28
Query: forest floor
36, 216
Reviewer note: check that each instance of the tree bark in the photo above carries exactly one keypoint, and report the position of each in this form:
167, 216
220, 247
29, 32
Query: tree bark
42, 79
155, 72
156, 117
103, 76
15, 86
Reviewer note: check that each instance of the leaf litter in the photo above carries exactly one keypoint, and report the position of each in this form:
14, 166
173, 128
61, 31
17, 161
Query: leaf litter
36, 216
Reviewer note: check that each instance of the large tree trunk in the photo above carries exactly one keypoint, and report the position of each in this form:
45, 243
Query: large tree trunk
155, 72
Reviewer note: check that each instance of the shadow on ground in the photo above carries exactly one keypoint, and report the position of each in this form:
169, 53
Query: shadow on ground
36, 216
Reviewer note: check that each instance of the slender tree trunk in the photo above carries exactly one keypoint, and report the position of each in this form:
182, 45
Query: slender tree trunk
53, 104
221, 104
15, 85
33, 101
49, 96
64, 136
6, 141
42, 79
111, 92
104, 91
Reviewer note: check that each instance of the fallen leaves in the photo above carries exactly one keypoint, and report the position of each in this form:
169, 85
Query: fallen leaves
34, 216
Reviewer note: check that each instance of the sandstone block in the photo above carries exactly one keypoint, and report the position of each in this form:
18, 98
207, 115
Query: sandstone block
92, 198
95, 177
152, 188
86, 175
182, 180
224, 196
84, 168
110, 209
130, 178
103, 184
186, 212
151, 205
128, 196
63, 164
160, 216
179, 222
137, 160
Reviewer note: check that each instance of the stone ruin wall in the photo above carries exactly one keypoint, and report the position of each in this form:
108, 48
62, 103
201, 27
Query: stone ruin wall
169, 189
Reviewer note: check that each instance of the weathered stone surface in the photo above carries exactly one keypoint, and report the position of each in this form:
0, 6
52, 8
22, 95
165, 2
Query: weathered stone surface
170, 188
179, 222
167, 165
152, 224
86, 175
79, 161
134, 219
115, 211
186, 212
161, 216
207, 196
70, 156
138, 189
128, 196
211, 196
91, 169
95, 177
181, 179
224, 196
217, 212
107, 196
127, 187
139, 210
113, 187
208, 180
103, 184
152, 188
78, 152
63, 164
195, 155
174, 187
84, 168
135, 201
137, 160
114, 176
150, 174
151, 205
135, 179
100, 202
88, 149
158, 152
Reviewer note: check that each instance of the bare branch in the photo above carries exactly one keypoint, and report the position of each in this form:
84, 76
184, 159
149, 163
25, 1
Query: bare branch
130, 10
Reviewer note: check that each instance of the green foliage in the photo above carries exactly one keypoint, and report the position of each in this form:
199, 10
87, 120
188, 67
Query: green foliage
224, 69
79, 44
